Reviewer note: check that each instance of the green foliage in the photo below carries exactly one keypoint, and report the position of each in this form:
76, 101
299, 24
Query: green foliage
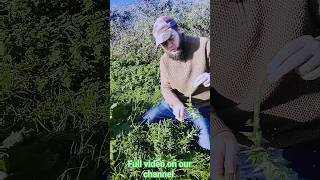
54, 57
190, 109
165, 141
134, 72
260, 156
135, 87
170, 140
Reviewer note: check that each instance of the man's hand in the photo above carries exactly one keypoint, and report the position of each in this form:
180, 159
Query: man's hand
178, 111
301, 54
225, 156
203, 78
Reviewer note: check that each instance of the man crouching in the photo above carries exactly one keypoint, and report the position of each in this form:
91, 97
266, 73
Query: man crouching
184, 70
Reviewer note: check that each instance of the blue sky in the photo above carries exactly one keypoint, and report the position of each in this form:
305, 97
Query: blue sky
114, 3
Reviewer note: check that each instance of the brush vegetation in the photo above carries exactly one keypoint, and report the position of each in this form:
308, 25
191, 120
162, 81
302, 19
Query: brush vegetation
53, 95
135, 87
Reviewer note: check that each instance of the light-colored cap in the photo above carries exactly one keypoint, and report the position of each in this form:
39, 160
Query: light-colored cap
162, 29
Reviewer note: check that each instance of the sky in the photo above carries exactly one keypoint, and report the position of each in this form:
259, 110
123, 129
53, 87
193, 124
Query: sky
117, 3
123, 3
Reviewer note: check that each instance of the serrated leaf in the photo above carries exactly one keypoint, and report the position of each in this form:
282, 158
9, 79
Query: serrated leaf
12, 139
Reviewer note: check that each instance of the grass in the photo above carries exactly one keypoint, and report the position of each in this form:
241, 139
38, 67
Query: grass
53, 86
135, 87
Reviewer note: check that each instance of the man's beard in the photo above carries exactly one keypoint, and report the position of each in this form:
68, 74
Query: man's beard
179, 53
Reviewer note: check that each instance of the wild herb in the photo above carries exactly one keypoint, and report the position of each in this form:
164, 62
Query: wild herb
193, 112
53, 72
167, 141
135, 87
261, 156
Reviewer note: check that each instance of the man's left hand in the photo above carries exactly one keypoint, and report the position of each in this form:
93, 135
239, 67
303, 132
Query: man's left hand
301, 55
203, 78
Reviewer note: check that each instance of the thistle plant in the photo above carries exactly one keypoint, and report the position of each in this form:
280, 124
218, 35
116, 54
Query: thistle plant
134, 79
165, 141
190, 109
260, 156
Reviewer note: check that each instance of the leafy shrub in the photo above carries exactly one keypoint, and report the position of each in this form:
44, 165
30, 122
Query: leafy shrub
135, 87
134, 68
166, 141
54, 57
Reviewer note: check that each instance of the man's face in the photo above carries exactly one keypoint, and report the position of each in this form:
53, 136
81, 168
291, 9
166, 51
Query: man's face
172, 44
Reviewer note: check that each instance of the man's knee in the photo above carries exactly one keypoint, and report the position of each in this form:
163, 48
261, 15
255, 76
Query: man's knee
157, 113
204, 133
149, 117
204, 141
203, 124
152, 115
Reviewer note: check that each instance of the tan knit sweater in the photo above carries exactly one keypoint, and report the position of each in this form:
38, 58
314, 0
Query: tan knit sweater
245, 37
177, 75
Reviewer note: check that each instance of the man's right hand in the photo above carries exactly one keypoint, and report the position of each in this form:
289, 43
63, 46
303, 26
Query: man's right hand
178, 111
225, 156
203, 78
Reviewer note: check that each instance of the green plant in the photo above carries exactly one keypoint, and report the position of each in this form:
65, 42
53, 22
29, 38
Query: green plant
135, 87
260, 156
163, 141
190, 109
53, 62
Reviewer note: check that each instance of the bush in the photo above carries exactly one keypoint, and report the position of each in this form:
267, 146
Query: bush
54, 57
165, 141
135, 87
134, 73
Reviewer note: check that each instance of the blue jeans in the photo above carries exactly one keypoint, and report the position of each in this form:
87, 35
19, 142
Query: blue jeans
163, 111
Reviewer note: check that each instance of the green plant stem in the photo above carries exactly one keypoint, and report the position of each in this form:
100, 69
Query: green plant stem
256, 123
260, 156
190, 109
